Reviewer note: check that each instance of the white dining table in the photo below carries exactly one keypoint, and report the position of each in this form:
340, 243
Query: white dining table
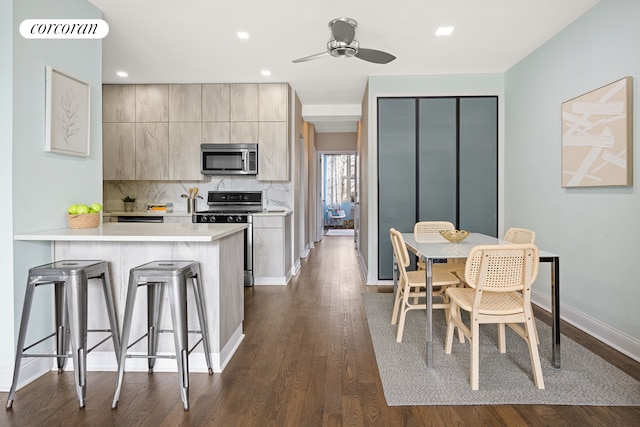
430, 251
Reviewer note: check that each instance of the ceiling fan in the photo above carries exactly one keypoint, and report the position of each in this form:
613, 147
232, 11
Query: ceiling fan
343, 44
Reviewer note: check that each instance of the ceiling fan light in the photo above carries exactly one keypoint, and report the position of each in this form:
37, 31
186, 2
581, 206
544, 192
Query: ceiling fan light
341, 49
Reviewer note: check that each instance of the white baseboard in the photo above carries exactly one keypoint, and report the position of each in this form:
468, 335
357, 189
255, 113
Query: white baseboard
363, 265
305, 252
295, 268
618, 340
31, 370
277, 281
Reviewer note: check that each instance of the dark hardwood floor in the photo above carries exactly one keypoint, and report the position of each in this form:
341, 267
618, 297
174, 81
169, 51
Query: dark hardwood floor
307, 360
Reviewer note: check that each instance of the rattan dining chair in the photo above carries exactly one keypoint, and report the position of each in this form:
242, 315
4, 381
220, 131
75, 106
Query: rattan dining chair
520, 235
412, 285
499, 279
429, 231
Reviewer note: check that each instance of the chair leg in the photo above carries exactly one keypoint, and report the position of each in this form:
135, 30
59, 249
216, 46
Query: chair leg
200, 308
502, 339
178, 298
126, 329
76, 294
154, 308
111, 311
453, 311
396, 306
533, 351
24, 322
475, 354
62, 325
403, 315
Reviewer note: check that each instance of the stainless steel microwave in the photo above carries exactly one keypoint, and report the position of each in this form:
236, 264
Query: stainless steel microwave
229, 159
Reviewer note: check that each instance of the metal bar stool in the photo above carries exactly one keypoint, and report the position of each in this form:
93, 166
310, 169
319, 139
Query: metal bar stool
155, 276
70, 279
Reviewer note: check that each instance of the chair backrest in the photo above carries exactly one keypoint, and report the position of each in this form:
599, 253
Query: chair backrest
400, 251
520, 235
429, 231
502, 268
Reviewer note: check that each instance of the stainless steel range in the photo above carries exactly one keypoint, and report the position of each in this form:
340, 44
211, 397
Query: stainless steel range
235, 207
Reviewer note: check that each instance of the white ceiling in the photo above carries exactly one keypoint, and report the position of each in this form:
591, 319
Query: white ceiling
194, 41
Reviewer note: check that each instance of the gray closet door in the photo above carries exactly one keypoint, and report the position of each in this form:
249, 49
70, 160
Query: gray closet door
437, 159
396, 174
478, 151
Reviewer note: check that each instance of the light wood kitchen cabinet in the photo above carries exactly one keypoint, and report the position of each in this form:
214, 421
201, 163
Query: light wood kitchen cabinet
152, 151
118, 103
271, 248
273, 101
192, 114
243, 102
243, 132
152, 103
184, 151
185, 103
215, 132
273, 151
215, 102
119, 151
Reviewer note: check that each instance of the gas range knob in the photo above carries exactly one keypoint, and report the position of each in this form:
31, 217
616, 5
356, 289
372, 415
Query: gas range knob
212, 219
229, 219
238, 219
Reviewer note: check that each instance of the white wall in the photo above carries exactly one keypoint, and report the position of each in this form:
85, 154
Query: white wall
42, 184
435, 85
594, 230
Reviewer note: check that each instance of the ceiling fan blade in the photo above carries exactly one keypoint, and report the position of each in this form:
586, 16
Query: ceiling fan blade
376, 56
343, 32
311, 57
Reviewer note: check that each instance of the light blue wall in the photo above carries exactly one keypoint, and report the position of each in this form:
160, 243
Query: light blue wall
595, 230
6, 167
418, 85
42, 184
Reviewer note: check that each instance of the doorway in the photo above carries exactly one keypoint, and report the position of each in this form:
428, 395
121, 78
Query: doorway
338, 177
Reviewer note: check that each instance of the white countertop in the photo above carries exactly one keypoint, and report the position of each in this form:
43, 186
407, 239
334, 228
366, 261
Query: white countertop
266, 212
138, 232
273, 212
145, 213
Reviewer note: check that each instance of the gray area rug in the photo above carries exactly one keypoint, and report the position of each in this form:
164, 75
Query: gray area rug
584, 379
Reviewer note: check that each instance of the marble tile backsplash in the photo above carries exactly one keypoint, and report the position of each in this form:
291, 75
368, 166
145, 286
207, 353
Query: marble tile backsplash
275, 195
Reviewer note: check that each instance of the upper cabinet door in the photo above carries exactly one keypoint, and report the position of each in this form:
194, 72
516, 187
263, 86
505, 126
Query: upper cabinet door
243, 102
152, 151
185, 103
118, 103
119, 151
273, 99
215, 102
152, 103
273, 151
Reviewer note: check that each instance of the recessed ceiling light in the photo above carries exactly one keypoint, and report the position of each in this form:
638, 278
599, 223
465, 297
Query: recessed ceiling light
265, 72
243, 35
444, 31
122, 74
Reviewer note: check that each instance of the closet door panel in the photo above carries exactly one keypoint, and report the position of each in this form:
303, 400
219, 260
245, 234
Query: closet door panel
479, 165
396, 175
437, 159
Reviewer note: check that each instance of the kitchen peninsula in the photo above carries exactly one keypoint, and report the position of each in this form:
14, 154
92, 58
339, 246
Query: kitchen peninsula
217, 247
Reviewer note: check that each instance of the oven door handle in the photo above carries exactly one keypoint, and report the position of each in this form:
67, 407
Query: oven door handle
249, 243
